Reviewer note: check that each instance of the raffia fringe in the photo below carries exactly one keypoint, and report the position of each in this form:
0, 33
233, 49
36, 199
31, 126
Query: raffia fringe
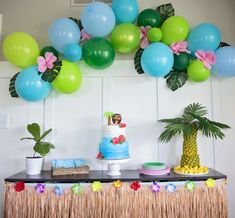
203, 202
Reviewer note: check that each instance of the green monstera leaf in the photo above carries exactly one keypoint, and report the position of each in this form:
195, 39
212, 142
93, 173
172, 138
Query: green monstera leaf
176, 79
50, 74
12, 88
137, 60
165, 10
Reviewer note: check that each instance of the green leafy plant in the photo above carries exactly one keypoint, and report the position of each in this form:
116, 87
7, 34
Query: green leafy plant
189, 123
137, 60
12, 88
40, 147
166, 11
176, 79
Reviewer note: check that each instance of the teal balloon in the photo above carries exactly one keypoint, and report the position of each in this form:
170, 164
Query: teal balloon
181, 61
98, 53
157, 59
205, 37
125, 11
98, 19
29, 85
73, 52
62, 32
225, 62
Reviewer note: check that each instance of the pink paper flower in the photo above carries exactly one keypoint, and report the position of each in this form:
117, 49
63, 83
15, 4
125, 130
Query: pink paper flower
144, 42
84, 36
178, 47
47, 62
208, 58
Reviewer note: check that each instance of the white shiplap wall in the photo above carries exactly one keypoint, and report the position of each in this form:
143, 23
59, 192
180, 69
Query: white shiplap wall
77, 119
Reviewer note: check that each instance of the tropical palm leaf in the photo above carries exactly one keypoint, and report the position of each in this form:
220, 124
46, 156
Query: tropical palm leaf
137, 60
176, 79
193, 109
12, 88
176, 120
50, 74
170, 131
165, 10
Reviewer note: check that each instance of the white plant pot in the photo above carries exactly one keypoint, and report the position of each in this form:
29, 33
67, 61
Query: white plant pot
33, 165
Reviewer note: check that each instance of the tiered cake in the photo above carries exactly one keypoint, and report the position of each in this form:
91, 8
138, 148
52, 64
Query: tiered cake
114, 144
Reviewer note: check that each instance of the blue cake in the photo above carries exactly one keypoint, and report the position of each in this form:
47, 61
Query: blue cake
114, 144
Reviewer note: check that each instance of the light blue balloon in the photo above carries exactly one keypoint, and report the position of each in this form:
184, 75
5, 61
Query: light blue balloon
205, 37
30, 86
98, 19
62, 32
72, 52
225, 62
157, 59
125, 11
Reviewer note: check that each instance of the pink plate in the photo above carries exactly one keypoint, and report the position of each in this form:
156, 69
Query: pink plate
155, 172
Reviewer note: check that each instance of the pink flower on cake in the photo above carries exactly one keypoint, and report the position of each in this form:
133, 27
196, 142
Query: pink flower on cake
121, 138
115, 141
47, 62
122, 125
99, 155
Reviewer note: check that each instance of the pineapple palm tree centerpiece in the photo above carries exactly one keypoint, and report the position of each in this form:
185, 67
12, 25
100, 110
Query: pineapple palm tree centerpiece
189, 123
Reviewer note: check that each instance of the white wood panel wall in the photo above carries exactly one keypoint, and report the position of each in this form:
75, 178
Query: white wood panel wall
77, 119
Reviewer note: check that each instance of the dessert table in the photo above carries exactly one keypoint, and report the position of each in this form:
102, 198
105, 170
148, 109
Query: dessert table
110, 200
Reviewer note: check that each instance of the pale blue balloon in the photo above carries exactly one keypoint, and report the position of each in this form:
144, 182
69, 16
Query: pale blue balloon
29, 85
62, 32
125, 11
225, 62
205, 37
98, 19
72, 52
157, 59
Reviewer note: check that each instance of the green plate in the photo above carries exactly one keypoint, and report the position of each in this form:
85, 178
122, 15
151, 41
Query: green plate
154, 166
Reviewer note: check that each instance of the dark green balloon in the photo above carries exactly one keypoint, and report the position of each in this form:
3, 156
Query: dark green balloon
181, 61
49, 49
98, 53
149, 17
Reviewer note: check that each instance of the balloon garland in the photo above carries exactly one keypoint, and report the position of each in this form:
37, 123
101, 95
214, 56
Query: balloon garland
164, 46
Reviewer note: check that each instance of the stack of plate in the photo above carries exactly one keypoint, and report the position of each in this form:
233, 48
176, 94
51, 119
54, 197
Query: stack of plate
154, 169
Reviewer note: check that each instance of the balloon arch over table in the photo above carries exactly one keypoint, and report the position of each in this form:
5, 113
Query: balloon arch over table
163, 43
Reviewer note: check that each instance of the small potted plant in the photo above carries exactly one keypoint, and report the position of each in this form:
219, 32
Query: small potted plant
34, 163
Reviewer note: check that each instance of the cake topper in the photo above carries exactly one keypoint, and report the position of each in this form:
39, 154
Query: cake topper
113, 118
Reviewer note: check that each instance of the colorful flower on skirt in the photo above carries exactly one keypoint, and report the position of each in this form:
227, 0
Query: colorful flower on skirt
170, 188
77, 189
135, 186
96, 186
39, 188
155, 187
210, 183
190, 185
58, 190
19, 186
117, 184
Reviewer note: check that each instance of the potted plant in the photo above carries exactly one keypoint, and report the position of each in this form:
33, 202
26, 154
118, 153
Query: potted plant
34, 163
189, 123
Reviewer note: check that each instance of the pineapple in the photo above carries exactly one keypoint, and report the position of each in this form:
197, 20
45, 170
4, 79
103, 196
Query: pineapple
189, 123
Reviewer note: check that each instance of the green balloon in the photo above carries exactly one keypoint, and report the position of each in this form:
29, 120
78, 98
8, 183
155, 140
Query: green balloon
154, 34
125, 37
49, 49
174, 29
98, 53
69, 79
181, 61
197, 72
149, 17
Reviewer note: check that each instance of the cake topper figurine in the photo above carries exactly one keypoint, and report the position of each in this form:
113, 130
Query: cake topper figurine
113, 119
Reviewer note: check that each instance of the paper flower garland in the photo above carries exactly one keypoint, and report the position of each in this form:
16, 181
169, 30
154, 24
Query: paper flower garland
190, 185
135, 186
58, 190
39, 188
155, 187
96, 186
19, 186
117, 184
210, 183
77, 189
170, 188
